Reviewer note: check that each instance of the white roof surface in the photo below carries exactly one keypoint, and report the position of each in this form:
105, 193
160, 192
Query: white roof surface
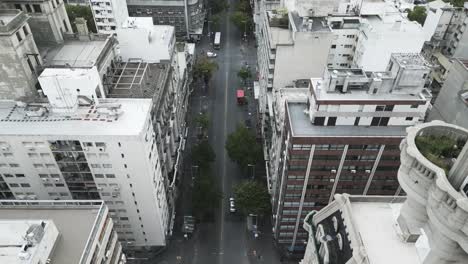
86, 121
377, 226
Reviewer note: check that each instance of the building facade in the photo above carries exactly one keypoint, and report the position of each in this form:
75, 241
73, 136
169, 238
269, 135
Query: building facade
344, 139
108, 14
49, 19
47, 231
418, 228
104, 149
19, 55
187, 17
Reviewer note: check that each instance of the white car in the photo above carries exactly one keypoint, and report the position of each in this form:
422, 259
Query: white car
232, 206
210, 54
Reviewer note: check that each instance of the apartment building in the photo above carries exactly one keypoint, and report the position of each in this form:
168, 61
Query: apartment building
187, 17
451, 104
49, 19
414, 229
108, 14
58, 232
344, 139
104, 149
446, 38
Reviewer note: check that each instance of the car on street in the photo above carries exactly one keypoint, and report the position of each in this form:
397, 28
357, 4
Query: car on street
211, 54
232, 205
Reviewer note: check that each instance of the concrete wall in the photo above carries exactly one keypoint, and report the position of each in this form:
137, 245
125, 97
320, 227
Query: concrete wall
305, 59
448, 106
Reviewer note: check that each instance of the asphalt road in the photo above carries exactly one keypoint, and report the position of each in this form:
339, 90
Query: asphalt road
226, 240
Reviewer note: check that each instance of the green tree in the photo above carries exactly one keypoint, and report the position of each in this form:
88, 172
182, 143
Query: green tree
215, 20
243, 148
418, 14
252, 197
244, 73
203, 120
203, 154
242, 20
204, 68
206, 195
75, 11
217, 6
243, 6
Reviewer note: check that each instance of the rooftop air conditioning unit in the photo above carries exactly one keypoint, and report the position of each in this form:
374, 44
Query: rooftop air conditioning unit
45, 179
99, 188
353, 171
57, 179
367, 171
333, 171
332, 180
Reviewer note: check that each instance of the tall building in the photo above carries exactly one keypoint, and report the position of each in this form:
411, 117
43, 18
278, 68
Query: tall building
343, 139
187, 17
19, 56
108, 14
58, 232
77, 146
49, 20
451, 104
426, 227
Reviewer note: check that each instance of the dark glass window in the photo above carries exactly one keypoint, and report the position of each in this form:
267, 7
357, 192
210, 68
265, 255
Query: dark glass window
331, 121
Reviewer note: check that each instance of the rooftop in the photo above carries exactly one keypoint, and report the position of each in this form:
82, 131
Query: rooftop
301, 126
306, 24
76, 53
73, 237
92, 120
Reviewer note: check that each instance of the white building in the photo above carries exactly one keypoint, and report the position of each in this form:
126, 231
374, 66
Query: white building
78, 147
57, 232
109, 14
139, 38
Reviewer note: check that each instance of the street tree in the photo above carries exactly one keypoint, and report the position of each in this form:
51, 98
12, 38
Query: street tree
242, 20
217, 6
75, 11
418, 14
215, 20
206, 195
203, 154
252, 197
202, 120
204, 68
243, 148
244, 73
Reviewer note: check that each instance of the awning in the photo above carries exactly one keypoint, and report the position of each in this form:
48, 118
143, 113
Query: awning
256, 90
240, 93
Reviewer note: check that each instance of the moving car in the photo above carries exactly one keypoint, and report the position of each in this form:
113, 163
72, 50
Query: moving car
232, 205
210, 54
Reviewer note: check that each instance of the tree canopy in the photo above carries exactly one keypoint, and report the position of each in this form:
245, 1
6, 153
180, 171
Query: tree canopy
202, 120
243, 148
242, 20
418, 14
217, 6
244, 73
203, 154
206, 195
252, 197
75, 11
204, 68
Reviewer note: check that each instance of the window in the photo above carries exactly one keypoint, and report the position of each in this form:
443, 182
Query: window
107, 166
8, 175
19, 175
110, 175
123, 156
55, 176
331, 121
414, 106
33, 155
14, 165
48, 185
37, 8
409, 119
28, 8
333, 46
38, 165
95, 166
14, 185
18, 6
356, 121
348, 46
379, 108
389, 108
50, 165
43, 155
88, 144
18, 36
25, 185
99, 175
63, 194
100, 144
65, 25
319, 121
59, 185
380, 121
124, 218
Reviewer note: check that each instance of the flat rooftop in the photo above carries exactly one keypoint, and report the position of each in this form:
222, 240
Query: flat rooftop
376, 224
74, 53
301, 126
316, 23
74, 226
86, 121
11, 19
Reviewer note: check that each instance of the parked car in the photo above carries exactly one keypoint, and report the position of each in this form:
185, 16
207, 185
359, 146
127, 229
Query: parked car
232, 205
210, 54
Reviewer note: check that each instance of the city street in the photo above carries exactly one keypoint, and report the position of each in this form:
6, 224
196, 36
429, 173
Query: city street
226, 240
